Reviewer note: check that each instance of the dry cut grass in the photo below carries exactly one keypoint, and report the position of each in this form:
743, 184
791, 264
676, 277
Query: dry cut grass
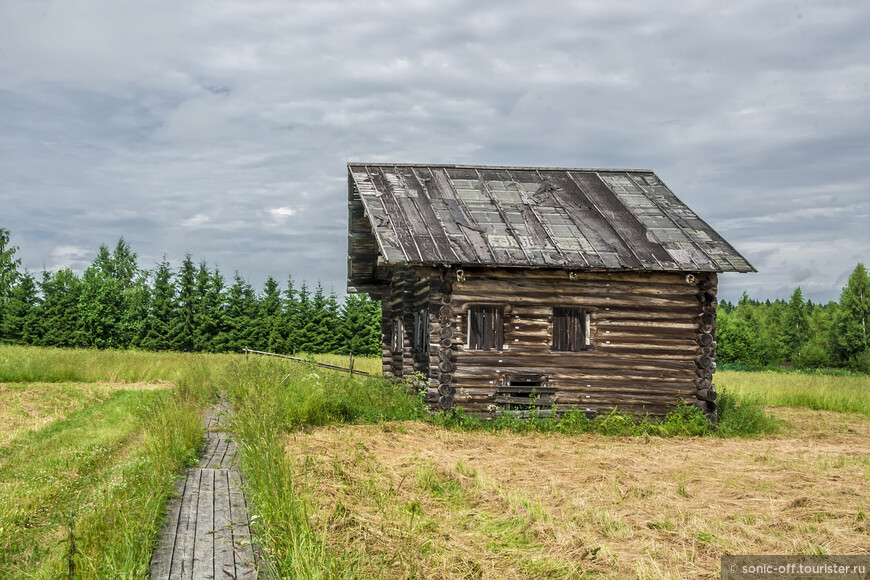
32, 406
416, 500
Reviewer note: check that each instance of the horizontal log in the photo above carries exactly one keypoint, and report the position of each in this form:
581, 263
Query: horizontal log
588, 300
561, 274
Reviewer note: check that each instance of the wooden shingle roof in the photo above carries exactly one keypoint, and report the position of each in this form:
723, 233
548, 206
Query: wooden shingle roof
584, 219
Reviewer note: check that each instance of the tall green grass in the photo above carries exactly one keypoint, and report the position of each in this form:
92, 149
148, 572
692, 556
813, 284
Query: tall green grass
821, 392
269, 402
87, 493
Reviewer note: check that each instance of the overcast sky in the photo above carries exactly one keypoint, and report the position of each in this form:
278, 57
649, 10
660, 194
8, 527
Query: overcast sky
223, 129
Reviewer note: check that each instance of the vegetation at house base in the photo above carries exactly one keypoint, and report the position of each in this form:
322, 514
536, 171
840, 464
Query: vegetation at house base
117, 304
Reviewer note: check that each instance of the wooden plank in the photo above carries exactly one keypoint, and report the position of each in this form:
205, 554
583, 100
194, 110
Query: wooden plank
479, 246
403, 232
508, 225
182, 558
631, 231
161, 560
224, 561
436, 228
418, 229
211, 443
242, 545
203, 550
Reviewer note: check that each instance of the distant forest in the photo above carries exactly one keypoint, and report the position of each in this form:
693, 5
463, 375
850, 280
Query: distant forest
796, 331
117, 304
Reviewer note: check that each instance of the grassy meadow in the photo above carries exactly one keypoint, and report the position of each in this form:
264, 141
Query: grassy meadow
839, 393
349, 477
91, 443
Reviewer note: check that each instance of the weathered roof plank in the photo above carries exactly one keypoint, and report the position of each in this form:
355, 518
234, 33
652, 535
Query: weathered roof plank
592, 219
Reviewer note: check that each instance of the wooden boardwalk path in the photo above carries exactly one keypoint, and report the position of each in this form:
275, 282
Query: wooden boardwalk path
206, 533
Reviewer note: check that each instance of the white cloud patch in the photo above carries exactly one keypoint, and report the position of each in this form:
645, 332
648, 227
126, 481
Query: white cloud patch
282, 213
197, 220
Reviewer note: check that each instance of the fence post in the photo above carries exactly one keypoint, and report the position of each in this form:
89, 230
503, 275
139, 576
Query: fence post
351, 363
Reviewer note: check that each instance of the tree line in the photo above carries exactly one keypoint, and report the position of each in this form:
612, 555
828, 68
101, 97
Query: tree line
797, 331
117, 304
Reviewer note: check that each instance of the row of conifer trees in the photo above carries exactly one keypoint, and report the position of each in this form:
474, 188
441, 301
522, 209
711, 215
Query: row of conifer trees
115, 303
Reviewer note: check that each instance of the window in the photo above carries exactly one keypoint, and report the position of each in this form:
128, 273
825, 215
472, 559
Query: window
485, 328
570, 329
524, 391
421, 332
397, 342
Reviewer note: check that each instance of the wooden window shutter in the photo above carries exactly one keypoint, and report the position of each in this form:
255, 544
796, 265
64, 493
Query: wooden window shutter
486, 328
569, 329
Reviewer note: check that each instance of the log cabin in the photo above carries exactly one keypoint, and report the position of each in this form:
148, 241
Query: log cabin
513, 289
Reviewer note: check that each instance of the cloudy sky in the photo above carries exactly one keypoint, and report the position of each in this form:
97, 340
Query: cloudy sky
223, 128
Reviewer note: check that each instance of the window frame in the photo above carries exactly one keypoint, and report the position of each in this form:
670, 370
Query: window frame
496, 327
397, 338
421, 331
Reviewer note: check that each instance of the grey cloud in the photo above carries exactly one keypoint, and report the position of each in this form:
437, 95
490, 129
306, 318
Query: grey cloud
183, 126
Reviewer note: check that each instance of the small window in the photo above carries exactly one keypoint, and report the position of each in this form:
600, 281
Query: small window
570, 329
524, 391
485, 328
421, 332
397, 342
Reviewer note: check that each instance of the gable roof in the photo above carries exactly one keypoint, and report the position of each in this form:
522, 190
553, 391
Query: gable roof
584, 219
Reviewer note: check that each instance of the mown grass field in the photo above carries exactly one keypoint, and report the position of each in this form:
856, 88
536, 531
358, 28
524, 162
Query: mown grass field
351, 478
348, 480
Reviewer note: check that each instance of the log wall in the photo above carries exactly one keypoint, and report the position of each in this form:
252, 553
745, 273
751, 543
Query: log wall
652, 338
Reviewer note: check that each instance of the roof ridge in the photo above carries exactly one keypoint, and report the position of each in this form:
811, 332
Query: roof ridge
510, 167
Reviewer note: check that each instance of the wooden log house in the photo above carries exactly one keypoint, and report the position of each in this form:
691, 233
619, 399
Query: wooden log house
511, 288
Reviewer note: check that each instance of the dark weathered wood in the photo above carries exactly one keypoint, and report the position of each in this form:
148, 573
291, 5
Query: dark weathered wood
206, 532
203, 552
706, 395
161, 560
224, 562
182, 553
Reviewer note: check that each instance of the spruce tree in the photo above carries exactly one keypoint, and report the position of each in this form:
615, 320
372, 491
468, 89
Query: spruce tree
240, 316
361, 325
8, 273
60, 308
299, 329
314, 339
21, 324
101, 304
209, 288
291, 319
159, 325
271, 320
852, 332
795, 324
183, 330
